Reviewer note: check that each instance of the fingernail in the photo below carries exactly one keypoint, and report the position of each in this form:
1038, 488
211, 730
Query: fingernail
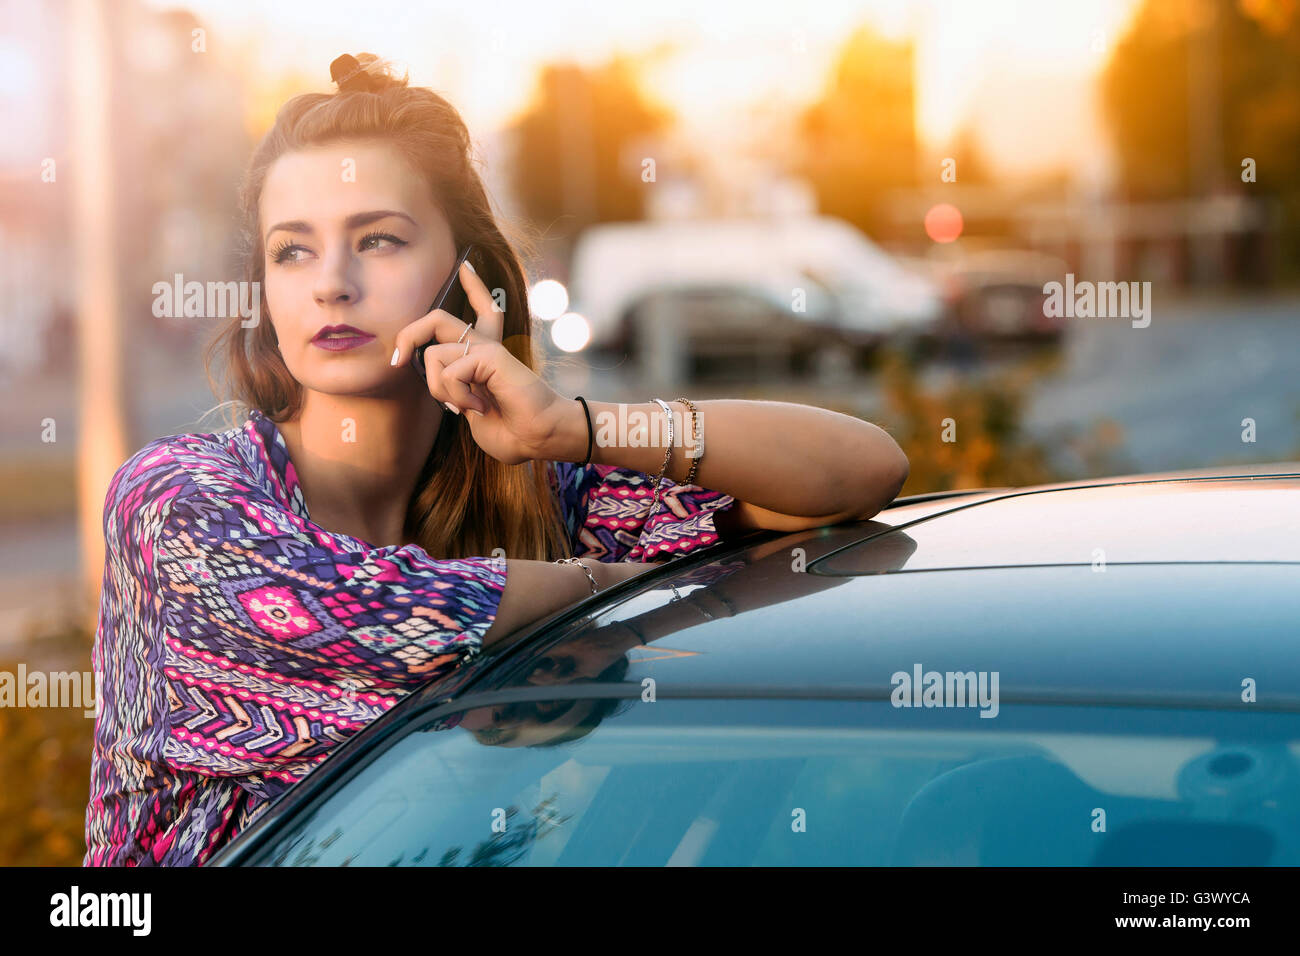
471, 267
475, 411
396, 352
451, 408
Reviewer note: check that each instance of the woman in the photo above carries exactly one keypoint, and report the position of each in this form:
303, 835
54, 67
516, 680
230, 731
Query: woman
273, 587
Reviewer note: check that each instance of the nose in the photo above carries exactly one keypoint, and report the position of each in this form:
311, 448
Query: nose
334, 283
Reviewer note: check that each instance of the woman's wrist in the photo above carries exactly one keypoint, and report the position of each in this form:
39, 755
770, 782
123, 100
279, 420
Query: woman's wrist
607, 573
569, 436
641, 437
589, 571
603, 573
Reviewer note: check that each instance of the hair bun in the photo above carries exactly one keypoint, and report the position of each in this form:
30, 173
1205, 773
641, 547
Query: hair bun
351, 75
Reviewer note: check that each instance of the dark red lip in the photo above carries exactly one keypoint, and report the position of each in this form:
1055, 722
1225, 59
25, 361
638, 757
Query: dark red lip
350, 329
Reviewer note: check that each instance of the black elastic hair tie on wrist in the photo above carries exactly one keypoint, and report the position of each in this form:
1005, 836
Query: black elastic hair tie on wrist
591, 432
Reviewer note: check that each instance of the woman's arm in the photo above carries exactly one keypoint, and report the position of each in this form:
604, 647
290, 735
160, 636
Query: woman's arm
274, 642
535, 589
788, 466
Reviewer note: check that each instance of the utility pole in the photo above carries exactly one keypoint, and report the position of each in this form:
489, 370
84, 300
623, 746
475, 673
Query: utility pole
1204, 142
101, 425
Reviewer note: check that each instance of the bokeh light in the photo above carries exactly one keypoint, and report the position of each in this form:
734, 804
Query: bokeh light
570, 332
548, 299
943, 223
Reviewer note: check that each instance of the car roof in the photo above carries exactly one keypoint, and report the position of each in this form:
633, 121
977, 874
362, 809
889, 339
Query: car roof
1159, 588
1151, 633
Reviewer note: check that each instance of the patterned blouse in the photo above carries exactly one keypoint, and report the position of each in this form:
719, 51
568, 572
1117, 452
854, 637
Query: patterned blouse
240, 643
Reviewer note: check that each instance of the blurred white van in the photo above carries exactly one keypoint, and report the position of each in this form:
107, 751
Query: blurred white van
847, 280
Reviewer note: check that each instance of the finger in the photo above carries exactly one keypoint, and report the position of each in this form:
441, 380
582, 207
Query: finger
457, 377
437, 326
490, 323
481, 392
433, 370
448, 352
452, 352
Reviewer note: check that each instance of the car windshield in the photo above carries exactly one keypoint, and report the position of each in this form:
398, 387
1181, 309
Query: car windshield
602, 780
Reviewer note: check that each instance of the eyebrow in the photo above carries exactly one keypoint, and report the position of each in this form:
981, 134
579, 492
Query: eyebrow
354, 221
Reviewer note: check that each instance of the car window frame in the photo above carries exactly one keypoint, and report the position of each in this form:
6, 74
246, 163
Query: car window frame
252, 847
451, 692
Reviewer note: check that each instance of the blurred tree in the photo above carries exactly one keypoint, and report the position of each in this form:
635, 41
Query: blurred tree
578, 149
972, 164
860, 138
1196, 87
267, 93
989, 445
45, 756
983, 222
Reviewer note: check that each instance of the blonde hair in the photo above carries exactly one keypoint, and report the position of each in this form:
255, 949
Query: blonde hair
466, 503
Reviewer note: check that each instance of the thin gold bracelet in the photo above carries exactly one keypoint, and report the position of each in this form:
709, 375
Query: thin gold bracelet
699, 439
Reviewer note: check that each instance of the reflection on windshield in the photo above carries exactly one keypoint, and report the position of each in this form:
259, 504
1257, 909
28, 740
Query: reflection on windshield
436, 798
598, 653
827, 783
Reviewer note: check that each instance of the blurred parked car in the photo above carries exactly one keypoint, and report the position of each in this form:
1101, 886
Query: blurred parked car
997, 294
849, 283
1132, 698
750, 325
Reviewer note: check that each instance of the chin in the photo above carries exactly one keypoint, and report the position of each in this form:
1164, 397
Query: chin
358, 380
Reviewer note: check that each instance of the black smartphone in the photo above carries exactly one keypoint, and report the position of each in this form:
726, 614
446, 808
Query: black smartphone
451, 298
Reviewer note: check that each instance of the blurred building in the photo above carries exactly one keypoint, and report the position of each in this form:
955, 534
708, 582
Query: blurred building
178, 148
1229, 238
34, 206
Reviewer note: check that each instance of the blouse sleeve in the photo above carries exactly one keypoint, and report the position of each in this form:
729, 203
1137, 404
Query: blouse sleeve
607, 513
282, 640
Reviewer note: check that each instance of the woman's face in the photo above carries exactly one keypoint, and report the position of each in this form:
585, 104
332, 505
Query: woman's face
525, 723
352, 237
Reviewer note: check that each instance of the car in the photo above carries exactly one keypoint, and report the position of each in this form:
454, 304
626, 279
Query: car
871, 296
998, 295
677, 330
1095, 673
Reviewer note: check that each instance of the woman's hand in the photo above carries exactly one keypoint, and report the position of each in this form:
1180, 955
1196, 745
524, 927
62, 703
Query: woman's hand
512, 414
